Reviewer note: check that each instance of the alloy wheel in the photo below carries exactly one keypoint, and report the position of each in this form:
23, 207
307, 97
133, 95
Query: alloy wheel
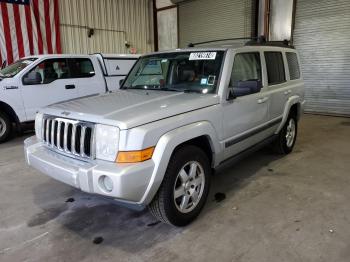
290, 132
2, 127
189, 186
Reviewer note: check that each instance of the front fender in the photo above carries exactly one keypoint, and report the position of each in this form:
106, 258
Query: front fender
166, 146
290, 102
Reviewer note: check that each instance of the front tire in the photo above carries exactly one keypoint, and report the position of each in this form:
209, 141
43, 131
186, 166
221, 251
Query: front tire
287, 136
184, 189
5, 127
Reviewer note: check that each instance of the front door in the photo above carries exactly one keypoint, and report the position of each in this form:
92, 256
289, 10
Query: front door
46, 84
245, 116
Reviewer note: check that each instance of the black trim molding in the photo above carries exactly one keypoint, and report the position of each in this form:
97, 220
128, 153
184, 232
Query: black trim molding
253, 132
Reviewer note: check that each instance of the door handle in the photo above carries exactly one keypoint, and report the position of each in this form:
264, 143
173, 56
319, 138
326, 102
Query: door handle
70, 86
262, 100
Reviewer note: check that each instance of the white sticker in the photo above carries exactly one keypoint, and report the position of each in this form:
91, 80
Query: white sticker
203, 56
211, 80
204, 81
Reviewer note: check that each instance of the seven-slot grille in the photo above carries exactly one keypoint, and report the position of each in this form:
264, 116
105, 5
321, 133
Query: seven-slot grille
69, 136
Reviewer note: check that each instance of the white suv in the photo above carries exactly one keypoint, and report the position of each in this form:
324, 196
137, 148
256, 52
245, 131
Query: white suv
179, 115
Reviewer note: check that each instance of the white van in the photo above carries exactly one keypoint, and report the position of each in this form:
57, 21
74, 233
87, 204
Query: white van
37, 81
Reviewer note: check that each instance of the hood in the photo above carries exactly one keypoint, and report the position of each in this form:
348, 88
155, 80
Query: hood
130, 108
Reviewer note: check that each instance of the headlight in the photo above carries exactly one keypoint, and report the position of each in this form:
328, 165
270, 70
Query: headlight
107, 142
38, 125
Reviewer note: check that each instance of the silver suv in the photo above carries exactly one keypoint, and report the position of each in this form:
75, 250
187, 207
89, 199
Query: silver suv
179, 116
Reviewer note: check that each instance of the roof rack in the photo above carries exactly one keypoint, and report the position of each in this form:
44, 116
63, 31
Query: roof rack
285, 43
253, 41
221, 40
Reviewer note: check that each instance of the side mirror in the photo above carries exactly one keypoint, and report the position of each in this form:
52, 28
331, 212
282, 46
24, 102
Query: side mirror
231, 94
3, 64
121, 81
32, 78
245, 88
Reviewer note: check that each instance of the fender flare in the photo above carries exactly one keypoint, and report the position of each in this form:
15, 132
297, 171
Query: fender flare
166, 146
295, 99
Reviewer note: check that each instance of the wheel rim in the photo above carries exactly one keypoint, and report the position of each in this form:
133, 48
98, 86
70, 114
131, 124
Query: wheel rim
290, 132
2, 127
189, 186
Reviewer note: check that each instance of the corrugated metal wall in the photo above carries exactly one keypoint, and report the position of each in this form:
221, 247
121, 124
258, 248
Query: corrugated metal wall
114, 21
163, 3
202, 20
322, 30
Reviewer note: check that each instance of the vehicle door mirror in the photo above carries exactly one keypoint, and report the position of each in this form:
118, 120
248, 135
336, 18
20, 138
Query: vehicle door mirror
121, 81
231, 94
3, 64
244, 88
32, 78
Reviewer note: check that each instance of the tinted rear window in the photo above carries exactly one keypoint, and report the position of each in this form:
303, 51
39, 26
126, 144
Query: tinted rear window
81, 67
275, 68
293, 65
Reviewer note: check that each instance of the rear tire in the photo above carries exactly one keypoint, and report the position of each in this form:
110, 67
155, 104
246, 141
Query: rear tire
5, 127
184, 189
287, 136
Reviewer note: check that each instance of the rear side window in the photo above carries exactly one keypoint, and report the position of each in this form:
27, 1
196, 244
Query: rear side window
275, 68
293, 65
81, 67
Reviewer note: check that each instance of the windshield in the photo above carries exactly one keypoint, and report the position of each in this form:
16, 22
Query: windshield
16, 67
178, 71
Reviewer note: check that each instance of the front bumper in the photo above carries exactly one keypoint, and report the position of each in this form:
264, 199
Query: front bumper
130, 181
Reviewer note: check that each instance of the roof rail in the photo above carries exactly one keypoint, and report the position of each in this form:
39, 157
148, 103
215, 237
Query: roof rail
285, 43
221, 40
253, 41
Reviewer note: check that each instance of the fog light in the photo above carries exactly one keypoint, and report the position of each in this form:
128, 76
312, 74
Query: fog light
106, 183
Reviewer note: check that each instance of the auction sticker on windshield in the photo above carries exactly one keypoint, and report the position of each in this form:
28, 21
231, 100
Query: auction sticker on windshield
203, 56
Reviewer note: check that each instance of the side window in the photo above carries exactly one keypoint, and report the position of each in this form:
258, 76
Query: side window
48, 71
81, 68
246, 74
293, 65
275, 68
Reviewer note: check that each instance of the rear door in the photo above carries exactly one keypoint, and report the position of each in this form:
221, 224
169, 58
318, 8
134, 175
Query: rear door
85, 78
245, 116
45, 84
277, 84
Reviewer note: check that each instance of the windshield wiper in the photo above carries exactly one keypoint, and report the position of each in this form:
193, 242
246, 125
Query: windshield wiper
171, 89
153, 89
192, 91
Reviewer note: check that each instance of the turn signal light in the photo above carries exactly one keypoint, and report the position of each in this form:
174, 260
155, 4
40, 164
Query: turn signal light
135, 156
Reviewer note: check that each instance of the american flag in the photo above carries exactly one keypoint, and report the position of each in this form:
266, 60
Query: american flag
28, 27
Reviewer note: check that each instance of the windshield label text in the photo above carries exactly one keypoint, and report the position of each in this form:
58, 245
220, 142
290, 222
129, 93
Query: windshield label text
203, 56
